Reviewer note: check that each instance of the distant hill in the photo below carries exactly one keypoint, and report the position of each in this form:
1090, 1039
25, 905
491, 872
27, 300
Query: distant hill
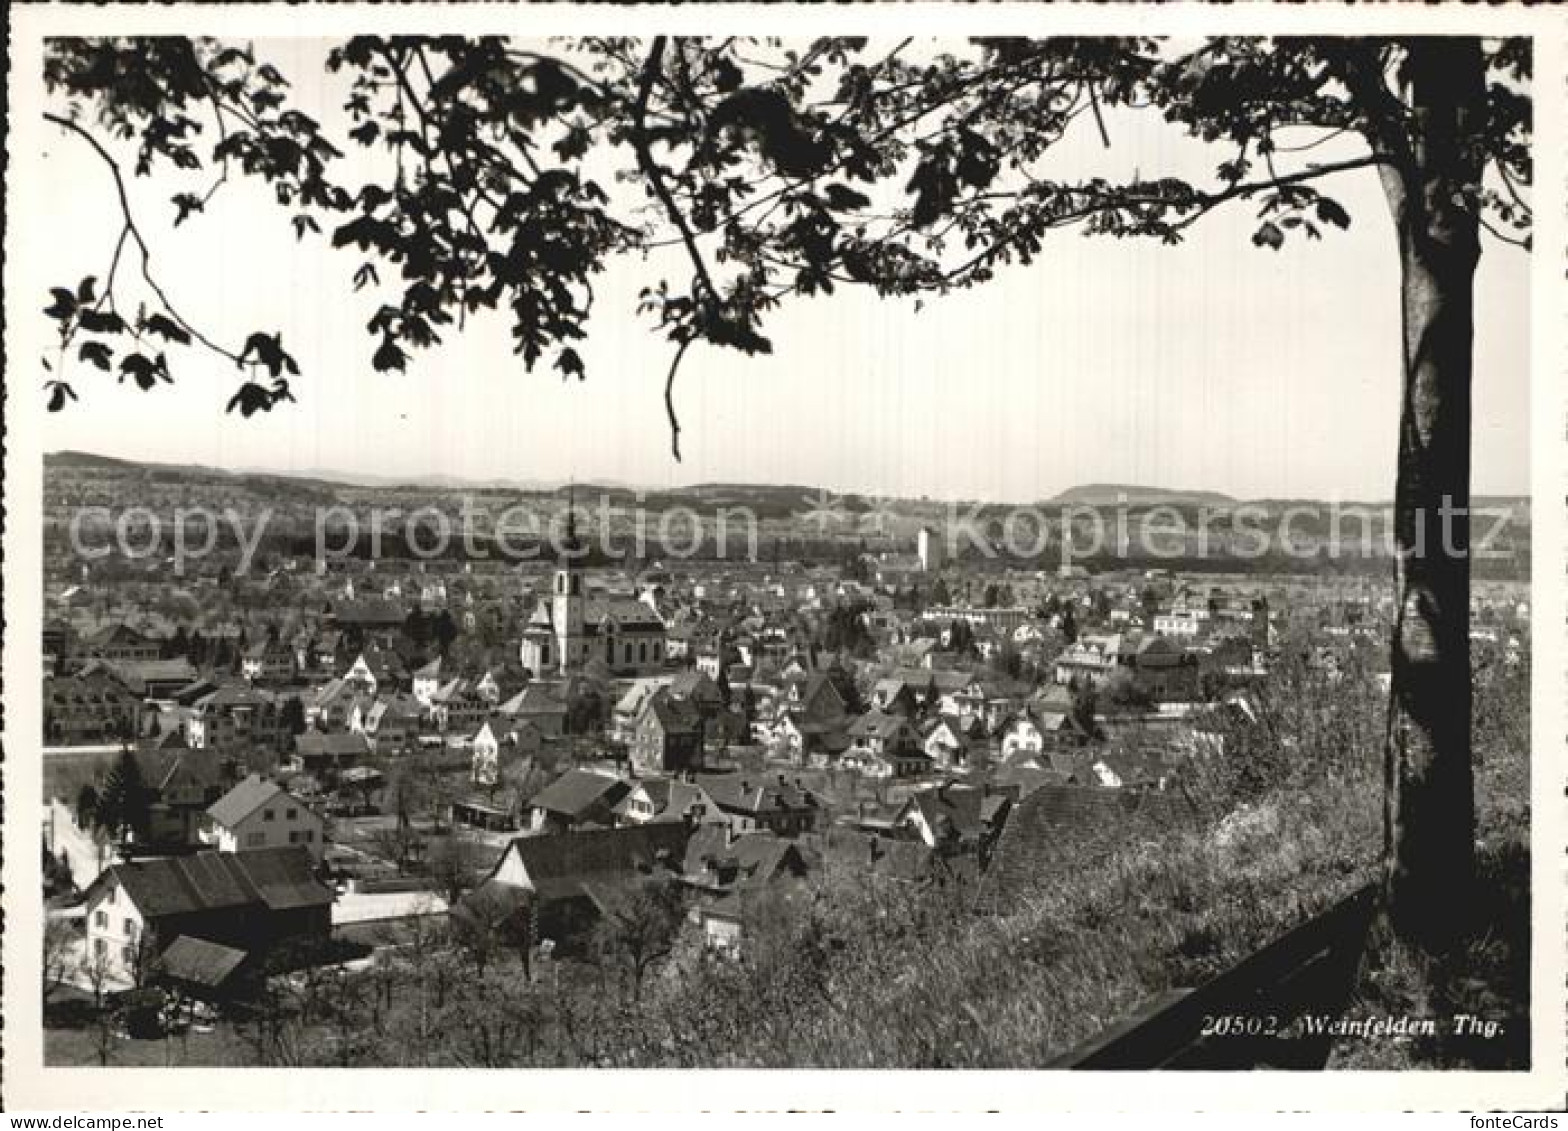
1110, 494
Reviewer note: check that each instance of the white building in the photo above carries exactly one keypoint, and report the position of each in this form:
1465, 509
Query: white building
258, 813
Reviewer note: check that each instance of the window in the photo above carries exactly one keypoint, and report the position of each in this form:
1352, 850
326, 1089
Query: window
127, 955
293, 836
255, 840
292, 814
100, 947
130, 928
112, 893
268, 814
309, 836
101, 919
642, 653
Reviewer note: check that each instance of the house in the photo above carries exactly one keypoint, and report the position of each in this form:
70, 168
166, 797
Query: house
731, 876
575, 800
1034, 729
330, 705
885, 745
250, 901
522, 739
556, 887
949, 741
815, 698
390, 723
543, 705
234, 715
150, 679
119, 642
668, 736
375, 619
895, 697
374, 671
88, 709
955, 818
322, 755
668, 799
259, 814
182, 784
271, 661
459, 705
1161, 669
427, 680
903, 860
753, 803
628, 708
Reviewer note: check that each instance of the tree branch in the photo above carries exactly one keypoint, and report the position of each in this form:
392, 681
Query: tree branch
136, 235
655, 175
669, 400
650, 169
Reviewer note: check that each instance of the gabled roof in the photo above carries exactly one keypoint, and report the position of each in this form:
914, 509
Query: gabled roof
338, 744
576, 791
557, 863
199, 962
695, 685
756, 858
673, 716
172, 768
243, 800
908, 860
535, 699
877, 724
755, 795
276, 878
950, 809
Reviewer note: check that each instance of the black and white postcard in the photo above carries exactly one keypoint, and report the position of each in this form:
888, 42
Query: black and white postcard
887, 542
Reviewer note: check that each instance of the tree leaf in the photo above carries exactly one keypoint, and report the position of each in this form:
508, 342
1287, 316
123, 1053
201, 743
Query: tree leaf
102, 322
64, 305
1269, 235
569, 364
268, 352
141, 368
389, 356
185, 203
59, 393
1330, 212
167, 329
845, 199
98, 353
250, 399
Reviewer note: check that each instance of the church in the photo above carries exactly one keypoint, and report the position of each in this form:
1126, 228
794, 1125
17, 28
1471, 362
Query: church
568, 630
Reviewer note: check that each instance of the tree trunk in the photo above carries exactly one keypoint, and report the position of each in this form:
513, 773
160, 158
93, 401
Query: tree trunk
1429, 850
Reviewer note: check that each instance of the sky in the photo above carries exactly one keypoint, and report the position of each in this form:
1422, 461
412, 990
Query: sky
1213, 365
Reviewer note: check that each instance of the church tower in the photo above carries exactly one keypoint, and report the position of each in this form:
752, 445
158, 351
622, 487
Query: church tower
566, 596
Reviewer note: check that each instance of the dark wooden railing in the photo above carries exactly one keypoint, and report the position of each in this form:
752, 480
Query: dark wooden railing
1258, 1014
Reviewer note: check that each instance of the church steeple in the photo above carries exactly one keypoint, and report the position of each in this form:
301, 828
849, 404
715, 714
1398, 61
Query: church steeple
567, 600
